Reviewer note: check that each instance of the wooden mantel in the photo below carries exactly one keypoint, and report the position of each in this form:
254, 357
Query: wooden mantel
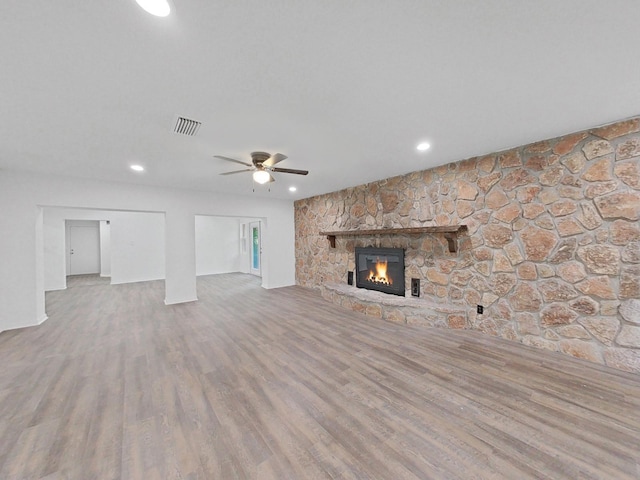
450, 233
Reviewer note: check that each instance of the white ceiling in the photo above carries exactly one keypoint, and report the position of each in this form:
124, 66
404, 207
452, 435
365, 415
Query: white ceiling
345, 89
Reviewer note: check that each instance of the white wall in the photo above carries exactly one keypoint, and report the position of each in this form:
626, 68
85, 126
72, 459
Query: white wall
131, 247
22, 195
40, 314
217, 245
137, 247
55, 256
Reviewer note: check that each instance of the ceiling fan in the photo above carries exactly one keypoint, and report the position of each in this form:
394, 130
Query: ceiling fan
262, 165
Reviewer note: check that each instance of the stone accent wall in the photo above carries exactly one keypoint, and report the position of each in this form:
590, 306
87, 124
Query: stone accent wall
553, 249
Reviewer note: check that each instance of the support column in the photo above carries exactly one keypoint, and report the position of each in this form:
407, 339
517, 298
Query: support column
21, 305
180, 257
41, 315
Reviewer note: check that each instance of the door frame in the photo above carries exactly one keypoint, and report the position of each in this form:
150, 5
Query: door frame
255, 257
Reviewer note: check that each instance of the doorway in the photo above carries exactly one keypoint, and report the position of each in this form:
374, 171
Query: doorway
256, 249
83, 247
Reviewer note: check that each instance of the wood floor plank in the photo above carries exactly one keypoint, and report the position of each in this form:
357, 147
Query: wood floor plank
249, 383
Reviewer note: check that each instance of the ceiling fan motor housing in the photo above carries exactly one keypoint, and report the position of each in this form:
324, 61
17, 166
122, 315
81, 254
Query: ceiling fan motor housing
259, 158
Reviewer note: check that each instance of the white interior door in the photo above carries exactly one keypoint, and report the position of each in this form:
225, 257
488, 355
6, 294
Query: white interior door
84, 250
256, 248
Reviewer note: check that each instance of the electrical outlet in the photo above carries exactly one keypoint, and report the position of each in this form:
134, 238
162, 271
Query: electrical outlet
415, 287
480, 309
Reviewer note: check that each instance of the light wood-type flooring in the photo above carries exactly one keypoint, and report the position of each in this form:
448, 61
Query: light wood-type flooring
279, 384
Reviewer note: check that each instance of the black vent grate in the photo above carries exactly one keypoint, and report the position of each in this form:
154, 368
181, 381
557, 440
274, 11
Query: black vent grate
186, 126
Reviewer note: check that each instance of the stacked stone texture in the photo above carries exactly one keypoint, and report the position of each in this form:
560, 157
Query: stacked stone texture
553, 244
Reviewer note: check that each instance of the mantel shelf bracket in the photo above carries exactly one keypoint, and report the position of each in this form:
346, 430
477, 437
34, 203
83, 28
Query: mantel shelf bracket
452, 240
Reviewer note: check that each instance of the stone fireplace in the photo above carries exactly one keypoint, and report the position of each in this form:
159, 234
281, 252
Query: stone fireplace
551, 251
380, 269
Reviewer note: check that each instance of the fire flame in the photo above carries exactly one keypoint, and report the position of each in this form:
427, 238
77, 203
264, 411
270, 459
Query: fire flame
380, 274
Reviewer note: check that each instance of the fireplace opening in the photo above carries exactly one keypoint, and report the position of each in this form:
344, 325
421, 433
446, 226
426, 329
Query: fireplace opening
380, 269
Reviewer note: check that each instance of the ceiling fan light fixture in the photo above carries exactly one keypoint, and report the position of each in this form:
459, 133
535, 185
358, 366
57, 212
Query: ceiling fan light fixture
261, 176
159, 8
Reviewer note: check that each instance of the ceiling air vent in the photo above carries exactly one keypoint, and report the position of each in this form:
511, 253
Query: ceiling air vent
185, 126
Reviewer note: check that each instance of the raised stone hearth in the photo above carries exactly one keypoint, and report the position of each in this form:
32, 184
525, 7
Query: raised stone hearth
409, 310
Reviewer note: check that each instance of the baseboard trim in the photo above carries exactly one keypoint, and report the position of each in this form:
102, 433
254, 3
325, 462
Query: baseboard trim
174, 302
56, 289
40, 321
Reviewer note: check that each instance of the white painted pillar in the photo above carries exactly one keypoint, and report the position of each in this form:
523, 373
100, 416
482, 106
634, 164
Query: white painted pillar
19, 301
41, 315
180, 257
105, 248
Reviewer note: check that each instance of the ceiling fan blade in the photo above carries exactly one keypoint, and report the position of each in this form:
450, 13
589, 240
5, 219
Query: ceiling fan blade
237, 171
290, 170
273, 159
271, 179
233, 160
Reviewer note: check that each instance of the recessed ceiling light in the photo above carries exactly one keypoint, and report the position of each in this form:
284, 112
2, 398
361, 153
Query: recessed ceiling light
137, 168
292, 189
159, 8
423, 147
